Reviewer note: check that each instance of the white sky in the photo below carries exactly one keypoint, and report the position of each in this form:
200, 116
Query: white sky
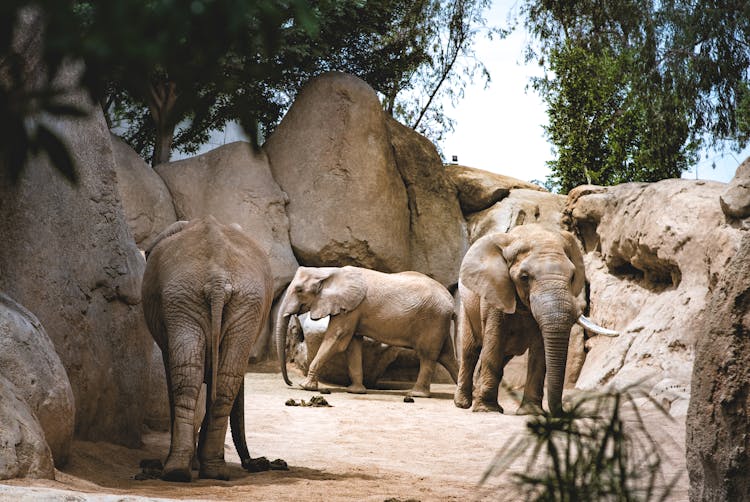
500, 128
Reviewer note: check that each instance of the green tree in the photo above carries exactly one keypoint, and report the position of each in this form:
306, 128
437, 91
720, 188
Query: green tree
132, 43
403, 49
635, 89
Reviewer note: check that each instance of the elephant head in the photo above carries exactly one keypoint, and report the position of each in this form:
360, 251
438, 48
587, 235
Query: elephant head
543, 270
322, 292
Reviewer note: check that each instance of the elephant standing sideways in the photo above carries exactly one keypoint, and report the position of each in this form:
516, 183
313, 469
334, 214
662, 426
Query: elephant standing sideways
207, 292
406, 309
519, 290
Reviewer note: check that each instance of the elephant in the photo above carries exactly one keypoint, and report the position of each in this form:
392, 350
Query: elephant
207, 292
405, 309
519, 291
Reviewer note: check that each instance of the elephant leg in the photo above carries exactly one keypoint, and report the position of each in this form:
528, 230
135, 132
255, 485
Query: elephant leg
468, 357
424, 377
186, 353
534, 388
233, 356
492, 362
354, 363
336, 339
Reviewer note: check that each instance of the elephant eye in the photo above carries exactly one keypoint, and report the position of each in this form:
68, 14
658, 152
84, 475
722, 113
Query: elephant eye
524, 277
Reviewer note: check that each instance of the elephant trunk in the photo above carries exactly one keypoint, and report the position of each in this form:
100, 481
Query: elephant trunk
287, 308
555, 311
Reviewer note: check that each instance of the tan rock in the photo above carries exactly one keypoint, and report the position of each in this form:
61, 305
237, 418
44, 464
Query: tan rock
23, 451
718, 459
331, 154
234, 184
28, 360
144, 196
652, 253
68, 256
735, 201
521, 207
479, 189
438, 231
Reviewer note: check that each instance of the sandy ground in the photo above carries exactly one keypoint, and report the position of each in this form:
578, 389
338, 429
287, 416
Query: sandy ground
372, 447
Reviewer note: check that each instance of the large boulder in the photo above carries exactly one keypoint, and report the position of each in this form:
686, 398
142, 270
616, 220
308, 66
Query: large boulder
144, 196
718, 420
23, 451
234, 184
652, 252
332, 155
438, 235
735, 201
68, 256
521, 207
28, 360
479, 189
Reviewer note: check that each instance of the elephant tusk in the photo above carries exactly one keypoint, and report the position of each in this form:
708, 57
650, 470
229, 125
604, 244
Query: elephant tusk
587, 324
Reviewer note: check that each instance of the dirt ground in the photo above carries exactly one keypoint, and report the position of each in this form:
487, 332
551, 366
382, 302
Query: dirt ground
372, 447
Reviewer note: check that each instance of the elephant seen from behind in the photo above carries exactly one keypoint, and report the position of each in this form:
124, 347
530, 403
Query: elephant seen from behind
405, 309
519, 291
207, 292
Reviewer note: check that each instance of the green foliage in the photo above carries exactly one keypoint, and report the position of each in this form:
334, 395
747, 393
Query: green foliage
635, 89
597, 450
206, 48
409, 52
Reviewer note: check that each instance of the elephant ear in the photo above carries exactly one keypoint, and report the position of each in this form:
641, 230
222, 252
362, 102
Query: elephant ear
573, 250
172, 229
485, 272
340, 290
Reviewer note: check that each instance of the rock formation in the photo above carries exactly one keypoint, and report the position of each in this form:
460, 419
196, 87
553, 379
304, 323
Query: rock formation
735, 201
234, 184
437, 230
28, 360
23, 451
144, 196
718, 420
331, 154
649, 269
68, 257
479, 189
520, 207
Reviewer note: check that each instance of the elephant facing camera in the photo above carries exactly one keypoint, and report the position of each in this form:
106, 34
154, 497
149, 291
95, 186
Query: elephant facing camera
519, 291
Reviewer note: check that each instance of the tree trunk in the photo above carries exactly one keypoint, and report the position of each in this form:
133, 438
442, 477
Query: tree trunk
162, 99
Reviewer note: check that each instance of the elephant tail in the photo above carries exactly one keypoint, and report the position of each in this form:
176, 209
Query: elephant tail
217, 293
447, 356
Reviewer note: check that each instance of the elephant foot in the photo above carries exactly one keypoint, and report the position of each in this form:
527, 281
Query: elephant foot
177, 469
461, 400
214, 470
529, 409
180, 475
418, 393
356, 389
483, 406
309, 384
